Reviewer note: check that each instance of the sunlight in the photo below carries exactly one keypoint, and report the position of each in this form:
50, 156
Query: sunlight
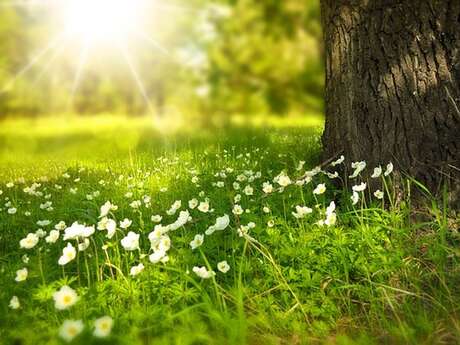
88, 30
35, 59
102, 20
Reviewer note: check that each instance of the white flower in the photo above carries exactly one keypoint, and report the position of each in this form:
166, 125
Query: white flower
131, 241
60, 226
68, 254
70, 329
220, 184
283, 180
192, 204
174, 207
266, 209
103, 327
157, 256
181, 220
271, 223
241, 178
136, 204
320, 189
108, 224
389, 169
21, 275
29, 242
221, 224
223, 266
359, 188
77, 230
25, 259
14, 303
195, 179
197, 241
358, 166
243, 230
301, 212
300, 165
236, 185
40, 233
135, 270
43, 222
203, 273
163, 244
65, 297
125, 224
332, 175
338, 161
310, 174
237, 210
84, 245
52, 237
12, 210
156, 234
377, 172
354, 198
267, 187
331, 208
331, 219
156, 218
248, 190
106, 208
378, 194
46, 205
204, 207
237, 198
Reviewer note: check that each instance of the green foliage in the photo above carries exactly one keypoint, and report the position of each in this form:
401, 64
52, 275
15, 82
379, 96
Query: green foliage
384, 273
267, 56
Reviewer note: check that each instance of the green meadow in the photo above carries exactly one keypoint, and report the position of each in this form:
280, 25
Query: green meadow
214, 235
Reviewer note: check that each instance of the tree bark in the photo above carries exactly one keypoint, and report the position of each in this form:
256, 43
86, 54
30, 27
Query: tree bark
393, 85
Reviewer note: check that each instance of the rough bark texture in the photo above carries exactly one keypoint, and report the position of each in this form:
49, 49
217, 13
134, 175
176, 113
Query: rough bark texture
393, 85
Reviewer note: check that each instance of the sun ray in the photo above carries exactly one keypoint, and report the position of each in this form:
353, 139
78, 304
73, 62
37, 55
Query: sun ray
136, 77
51, 60
53, 43
81, 65
153, 42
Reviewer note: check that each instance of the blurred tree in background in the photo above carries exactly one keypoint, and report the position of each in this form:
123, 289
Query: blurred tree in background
267, 57
235, 56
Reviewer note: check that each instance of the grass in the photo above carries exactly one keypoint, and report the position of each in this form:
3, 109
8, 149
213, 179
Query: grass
385, 272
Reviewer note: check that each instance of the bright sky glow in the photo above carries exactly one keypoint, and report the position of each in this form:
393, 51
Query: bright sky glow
103, 20
86, 28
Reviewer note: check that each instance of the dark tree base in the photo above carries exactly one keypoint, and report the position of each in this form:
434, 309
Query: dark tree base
393, 85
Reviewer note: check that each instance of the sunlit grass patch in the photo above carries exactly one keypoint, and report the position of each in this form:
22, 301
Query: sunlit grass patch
224, 236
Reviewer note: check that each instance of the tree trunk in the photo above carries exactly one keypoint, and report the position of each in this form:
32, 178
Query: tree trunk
393, 85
